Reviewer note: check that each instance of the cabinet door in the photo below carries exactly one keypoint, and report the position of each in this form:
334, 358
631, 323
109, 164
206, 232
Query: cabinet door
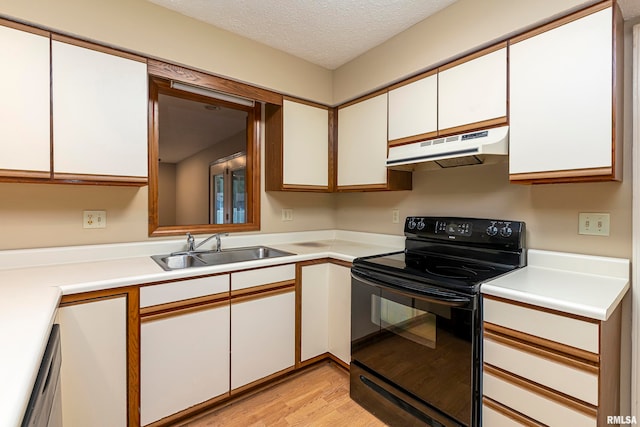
473, 93
340, 312
305, 145
362, 143
262, 337
315, 311
94, 363
100, 114
413, 110
561, 98
184, 361
24, 105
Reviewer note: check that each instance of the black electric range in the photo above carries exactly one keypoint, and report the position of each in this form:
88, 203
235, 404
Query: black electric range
416, 319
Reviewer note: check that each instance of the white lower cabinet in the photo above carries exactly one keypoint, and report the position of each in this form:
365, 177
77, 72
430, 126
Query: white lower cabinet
544, 367
184, 361
262, 337
94, 363
326, 311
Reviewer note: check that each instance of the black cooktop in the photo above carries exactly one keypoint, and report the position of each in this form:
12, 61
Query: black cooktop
452, 253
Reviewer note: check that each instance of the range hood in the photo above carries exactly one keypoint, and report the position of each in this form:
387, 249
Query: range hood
457, 150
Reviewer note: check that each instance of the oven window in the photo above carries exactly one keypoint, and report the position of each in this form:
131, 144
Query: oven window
411, 323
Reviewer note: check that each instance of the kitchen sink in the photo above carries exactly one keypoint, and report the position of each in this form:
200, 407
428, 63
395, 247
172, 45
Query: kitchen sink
180, 260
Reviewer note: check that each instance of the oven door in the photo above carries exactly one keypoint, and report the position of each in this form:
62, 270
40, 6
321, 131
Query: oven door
415, 351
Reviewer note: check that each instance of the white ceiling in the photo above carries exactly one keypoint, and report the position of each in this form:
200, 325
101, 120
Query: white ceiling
325, 32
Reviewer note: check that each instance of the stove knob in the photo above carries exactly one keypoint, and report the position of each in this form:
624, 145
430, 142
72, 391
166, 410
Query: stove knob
506, 231
411, 224
492, 230
421, 225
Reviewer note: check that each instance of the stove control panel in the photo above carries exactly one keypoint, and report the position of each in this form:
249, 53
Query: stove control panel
469, 230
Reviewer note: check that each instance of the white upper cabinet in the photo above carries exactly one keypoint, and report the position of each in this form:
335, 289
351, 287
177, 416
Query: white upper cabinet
100, 114
561, 101
306, 145
413, 110
472, 92
362, 143
25, 144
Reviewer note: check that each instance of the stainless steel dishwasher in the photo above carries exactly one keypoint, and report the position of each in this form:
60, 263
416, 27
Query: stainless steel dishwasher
45, 405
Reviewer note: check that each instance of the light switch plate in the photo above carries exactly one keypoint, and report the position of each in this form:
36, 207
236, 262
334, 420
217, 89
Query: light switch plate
287, 214
594, 224
94, 219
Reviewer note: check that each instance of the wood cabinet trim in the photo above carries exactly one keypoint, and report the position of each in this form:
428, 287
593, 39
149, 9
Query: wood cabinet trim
178, 310
305, 102
485, 124
473, 56
257, 292
542, 342
510, 413
543, 309
542, 352
24, 27
542, 391
91, 296
210, 81
561, 21
413, 79
97, 47
412, 139
18, 174
207, 300
573, 175
99, 179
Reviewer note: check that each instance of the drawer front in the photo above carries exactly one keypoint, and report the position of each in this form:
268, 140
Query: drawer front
565, 330
262, 276
182, 290
567, 379
535, 405
491, 417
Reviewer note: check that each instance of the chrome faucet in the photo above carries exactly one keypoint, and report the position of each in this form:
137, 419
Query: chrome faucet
191, 241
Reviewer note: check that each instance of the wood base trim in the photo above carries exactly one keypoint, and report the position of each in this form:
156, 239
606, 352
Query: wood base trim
261, 381
542, 391
510, 413
542, 352
588, 357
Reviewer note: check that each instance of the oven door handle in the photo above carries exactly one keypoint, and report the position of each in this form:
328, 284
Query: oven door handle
440, 297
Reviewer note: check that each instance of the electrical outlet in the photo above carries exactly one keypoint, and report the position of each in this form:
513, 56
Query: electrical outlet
287, 214
595, 224
395, 216
94, 219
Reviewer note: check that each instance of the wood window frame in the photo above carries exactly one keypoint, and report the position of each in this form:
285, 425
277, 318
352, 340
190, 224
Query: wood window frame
159, 75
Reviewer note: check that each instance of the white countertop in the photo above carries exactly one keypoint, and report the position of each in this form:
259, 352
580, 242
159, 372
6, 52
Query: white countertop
29, 295
583, 285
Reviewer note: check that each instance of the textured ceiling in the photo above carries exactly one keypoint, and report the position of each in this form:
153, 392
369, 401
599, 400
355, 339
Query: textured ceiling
325, 32
630, 8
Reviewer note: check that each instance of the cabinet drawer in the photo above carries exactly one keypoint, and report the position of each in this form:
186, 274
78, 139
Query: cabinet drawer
562, 329
182, 290
562, 376
497, 415
262, 276
532, 402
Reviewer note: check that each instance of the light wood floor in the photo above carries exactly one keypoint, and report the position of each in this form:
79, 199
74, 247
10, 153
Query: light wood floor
317, 397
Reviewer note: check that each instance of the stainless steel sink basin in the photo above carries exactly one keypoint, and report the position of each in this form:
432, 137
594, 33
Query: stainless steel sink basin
207, 258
